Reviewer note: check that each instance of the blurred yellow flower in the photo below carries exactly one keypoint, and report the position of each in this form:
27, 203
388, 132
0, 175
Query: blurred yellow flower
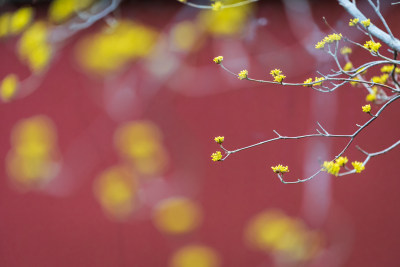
195, 256
274, 232
141, 144
348, 66
227, 21
177, 215
116, 190
113, 48
34, 157
8, 87
345, 50
15, 23
33, 47
61, 10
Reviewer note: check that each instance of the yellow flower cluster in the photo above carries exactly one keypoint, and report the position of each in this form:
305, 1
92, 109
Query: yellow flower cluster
183, 1
319, 79
217, 156
345, 50
328, 39
333, 37
217, 6
389, 69
309, 80
366, 108
334, 167
8, 87
331, 167
219, 139
353, 22
280, 169
243, 74
320, 45
15, 23
348, 66
342, 161
366, 23
218, 60
372, 46
358, 166
380, 79
371, 97
278, 76
34, 49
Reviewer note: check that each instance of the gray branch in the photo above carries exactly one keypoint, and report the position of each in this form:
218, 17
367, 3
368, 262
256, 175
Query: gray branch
375, 31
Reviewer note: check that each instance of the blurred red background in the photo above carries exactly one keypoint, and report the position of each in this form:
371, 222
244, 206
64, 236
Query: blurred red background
185, 100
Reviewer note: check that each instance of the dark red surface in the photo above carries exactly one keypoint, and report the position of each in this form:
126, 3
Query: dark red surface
43, 229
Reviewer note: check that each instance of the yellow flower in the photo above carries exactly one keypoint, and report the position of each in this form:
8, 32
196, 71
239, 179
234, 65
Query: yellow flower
275, 72
21, 19
217, 156
332, 37
279, 78
358, 166
62, 10
371, 97
384, 78
183, 1
217, 6
280, 169
353, 22
309, 80
243, 74
345, 50
8, 87
218, 59
362, 71
319, 79
366, 108
348, 66
376, 79
341, 161
355, 79
34, 48
219, 139
389, 69
366, 23
372, 46
320, 45
331, 167
380, 79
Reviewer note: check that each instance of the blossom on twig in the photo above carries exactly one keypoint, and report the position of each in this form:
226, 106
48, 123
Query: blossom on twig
358, 166
219, 139
217, 156
280, 169
243, 74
